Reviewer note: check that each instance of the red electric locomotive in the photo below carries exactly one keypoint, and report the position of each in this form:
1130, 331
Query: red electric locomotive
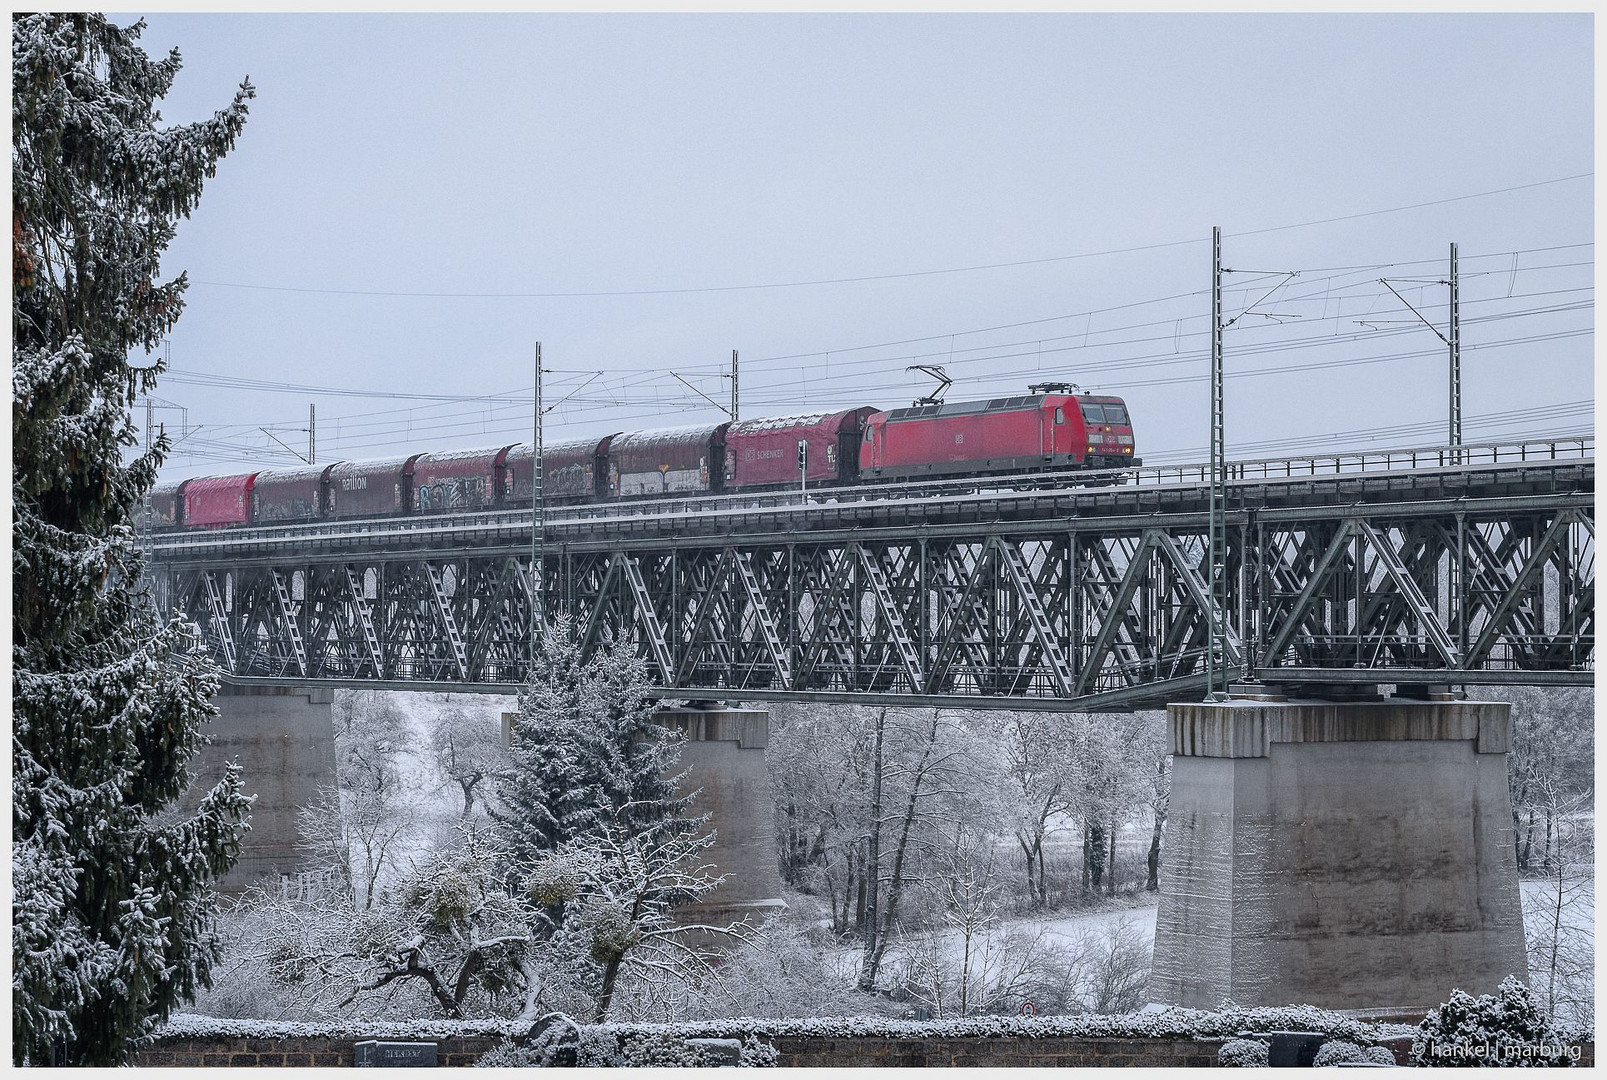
1048, 429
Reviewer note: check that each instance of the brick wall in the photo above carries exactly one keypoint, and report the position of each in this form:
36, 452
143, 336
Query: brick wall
289, 1051
813, 1051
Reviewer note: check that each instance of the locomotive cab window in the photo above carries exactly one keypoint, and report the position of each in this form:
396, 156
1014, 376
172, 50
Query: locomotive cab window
1091, 413
1060, 415
1115, 414
870, 433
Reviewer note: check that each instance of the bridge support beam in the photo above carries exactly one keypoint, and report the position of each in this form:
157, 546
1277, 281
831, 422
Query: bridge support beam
284, 740
724, 757
1351, 855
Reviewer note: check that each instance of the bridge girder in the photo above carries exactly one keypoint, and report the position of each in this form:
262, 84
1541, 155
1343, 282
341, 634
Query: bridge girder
1067, 613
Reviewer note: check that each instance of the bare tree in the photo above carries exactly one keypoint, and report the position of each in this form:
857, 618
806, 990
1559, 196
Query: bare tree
1113, 969
1551, 763
819, 765
620, 885
1561, 937
917, 763
968, 892
468, 749
374, 815
1034, 749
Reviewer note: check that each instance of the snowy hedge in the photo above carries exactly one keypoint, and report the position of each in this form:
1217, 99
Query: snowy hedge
1163, 1023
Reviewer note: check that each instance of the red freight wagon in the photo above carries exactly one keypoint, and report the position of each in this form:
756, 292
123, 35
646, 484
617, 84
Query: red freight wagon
287, 495
667, 461
371, 488
457, 480
167, 504
1031, 432
764, 453
216, 501
571, 471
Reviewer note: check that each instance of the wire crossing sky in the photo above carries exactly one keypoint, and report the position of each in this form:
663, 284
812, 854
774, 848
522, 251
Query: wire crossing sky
418, 199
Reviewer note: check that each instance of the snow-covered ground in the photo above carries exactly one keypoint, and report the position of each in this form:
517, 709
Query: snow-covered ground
1538, 896
436, 803
1098, 925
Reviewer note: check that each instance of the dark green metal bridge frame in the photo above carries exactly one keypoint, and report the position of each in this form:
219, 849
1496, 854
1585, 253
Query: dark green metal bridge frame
1440, 574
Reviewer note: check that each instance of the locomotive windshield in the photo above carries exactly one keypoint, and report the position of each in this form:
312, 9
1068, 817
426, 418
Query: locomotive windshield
1108, 413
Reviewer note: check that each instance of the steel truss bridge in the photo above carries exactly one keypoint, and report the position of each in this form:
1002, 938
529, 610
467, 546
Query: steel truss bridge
1417, 568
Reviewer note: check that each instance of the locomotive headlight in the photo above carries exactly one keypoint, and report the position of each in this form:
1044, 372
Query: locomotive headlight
1127, 449
1090, 449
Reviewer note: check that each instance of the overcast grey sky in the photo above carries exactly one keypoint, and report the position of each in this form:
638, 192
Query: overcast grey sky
417, 199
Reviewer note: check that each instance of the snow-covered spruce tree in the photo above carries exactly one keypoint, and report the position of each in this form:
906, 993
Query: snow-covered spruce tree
585, 748
591, 821
112, 905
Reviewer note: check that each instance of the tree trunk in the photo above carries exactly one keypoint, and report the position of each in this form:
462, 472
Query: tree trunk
606, 995
1110, 876
1043, 882
873, 864
1093, 853
873, 957
1026, 850
859, 894
1154, 882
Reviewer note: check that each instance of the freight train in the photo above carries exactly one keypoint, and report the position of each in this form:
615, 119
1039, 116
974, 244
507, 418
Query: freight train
1050, 429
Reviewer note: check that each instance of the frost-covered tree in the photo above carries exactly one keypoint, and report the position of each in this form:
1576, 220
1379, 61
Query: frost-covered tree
585, 748
1551, 765
591, 816
468, 750
112, 905
374, 819
615, 888
446, 939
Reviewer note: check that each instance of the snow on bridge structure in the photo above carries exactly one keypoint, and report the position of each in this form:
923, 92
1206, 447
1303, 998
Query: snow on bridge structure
1326, 843
1409, 567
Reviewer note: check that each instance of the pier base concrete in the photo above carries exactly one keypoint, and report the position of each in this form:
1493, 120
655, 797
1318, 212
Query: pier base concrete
284, 740
724, 759
1349, 855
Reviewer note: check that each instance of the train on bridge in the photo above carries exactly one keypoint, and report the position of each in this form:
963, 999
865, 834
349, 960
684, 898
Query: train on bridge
1051, 428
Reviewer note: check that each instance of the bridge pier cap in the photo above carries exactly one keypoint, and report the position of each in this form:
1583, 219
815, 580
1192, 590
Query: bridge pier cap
1346, 854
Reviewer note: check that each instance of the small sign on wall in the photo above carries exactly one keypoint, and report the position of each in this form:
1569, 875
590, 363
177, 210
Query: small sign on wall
374, 1054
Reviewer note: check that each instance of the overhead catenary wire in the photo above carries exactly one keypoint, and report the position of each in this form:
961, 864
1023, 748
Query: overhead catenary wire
518, 398
623, 391
860, 278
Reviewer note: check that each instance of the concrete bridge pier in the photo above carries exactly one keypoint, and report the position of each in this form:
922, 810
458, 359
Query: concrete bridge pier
724, 757
1349, 855
284, 740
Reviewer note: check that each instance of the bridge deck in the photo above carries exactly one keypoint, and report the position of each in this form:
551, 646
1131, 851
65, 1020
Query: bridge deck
1046, 597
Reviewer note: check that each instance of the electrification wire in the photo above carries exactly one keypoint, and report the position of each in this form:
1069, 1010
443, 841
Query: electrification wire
519, 427
513, 399
881, 277
494, 423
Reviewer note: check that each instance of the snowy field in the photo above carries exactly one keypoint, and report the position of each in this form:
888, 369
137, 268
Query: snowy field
1538, 896
435, 805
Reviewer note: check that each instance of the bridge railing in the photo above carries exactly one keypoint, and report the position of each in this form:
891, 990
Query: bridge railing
1241, 471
